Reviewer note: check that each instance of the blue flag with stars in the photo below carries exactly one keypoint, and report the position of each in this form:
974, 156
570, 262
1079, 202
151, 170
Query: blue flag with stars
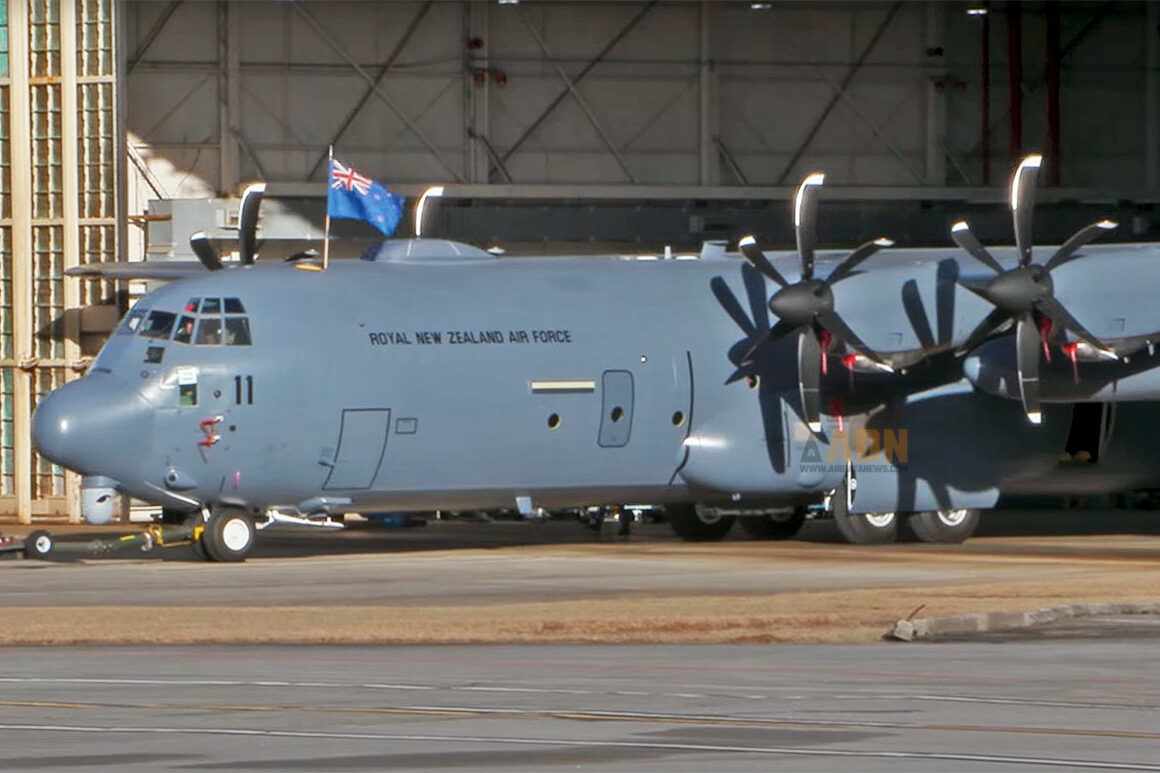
352, 196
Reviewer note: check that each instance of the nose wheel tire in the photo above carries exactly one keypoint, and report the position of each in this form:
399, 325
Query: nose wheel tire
229, 536
694, 524
944, 526
783, 524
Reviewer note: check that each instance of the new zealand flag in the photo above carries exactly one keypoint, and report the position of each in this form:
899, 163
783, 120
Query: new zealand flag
354, 197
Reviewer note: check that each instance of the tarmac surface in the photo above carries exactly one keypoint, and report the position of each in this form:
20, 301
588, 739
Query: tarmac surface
1022, 705
1076, 695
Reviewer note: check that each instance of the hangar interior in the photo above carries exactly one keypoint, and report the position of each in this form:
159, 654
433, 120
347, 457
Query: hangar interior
553, 126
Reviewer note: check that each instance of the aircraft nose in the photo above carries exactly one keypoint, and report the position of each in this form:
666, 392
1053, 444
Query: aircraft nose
88, 424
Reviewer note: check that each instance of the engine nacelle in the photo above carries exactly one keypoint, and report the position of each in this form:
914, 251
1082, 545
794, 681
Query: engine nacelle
992, 369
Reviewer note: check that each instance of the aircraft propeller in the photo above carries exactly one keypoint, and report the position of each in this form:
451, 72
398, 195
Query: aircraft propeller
806, 308
247, 232
1026, 294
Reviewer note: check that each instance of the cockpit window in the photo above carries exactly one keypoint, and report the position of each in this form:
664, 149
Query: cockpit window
158, 325
184, 330
234, 306
132, 321
237, 331
191, 307
209, 331
211, 306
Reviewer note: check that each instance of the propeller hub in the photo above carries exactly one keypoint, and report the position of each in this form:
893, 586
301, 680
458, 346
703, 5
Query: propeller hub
800, 303
1019, 289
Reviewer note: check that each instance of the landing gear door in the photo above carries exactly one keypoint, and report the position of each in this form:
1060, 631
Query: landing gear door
362, 442
616, 411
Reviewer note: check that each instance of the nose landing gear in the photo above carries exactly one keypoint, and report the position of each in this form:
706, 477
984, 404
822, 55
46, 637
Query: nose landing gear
228, 535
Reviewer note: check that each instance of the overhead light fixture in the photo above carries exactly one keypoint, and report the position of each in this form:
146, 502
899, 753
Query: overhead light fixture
977, 10
760, 6
509, 2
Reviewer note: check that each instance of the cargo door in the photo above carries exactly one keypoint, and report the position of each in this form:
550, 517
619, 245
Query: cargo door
362, 442
616, 411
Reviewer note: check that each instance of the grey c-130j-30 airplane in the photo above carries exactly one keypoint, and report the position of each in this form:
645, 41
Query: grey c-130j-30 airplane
921, 384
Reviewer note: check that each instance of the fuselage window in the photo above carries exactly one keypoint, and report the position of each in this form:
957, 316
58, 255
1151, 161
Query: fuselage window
234, 306
132, 322
158, 325
184, 330
237, 331
211, 306
209, 332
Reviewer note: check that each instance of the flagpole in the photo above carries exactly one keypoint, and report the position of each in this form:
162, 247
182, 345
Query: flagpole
326, 223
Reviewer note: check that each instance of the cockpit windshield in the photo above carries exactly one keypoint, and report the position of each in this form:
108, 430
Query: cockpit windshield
205, 322
159, 324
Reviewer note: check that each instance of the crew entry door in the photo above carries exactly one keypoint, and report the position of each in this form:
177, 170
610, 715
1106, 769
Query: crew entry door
616, 409
362, 442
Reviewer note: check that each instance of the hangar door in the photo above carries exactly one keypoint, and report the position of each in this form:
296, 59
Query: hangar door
362, 441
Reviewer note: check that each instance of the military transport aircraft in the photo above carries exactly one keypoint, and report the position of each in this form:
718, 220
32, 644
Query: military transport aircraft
887, 383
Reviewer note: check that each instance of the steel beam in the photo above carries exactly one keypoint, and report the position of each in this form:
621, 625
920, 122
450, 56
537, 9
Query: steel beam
839, 92
645, 193
707, 157
534, 125
20, 139
495, 159
376, 88
1054, 152
571, 86
370, 92
228, 96
1064, 52
70, 192
1015, 78
1152, 95
152, 34
936, 98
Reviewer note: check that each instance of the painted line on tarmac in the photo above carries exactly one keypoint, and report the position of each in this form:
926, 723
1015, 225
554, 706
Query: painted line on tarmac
589, 715
1000, 759
1030, 702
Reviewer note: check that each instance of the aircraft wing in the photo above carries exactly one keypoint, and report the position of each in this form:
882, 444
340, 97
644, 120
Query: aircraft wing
157, 269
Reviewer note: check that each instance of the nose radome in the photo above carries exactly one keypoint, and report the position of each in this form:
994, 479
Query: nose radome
91, 425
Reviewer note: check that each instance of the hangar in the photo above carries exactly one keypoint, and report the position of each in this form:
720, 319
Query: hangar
572, 126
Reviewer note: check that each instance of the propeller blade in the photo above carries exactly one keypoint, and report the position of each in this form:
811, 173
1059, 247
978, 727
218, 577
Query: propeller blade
1027, 363
753, 253
1077, 240
847, 266
805, 218
775, 333
810, 378
836, 325
248, 222
961, 233
916, 313
205, 251
1061, 317
1023, 184
981, 333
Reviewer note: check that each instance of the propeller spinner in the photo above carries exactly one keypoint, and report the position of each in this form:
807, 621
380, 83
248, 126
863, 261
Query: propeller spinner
806, 308
1026, 294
